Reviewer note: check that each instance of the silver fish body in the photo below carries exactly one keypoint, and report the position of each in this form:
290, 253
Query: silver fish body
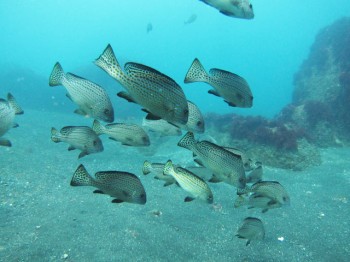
251, 229
191, 183
225, 165
8, 110
92, 100
231, 87
78, 137
127, 134
233, 8
123, 186
157, 93
161, 127
273, 190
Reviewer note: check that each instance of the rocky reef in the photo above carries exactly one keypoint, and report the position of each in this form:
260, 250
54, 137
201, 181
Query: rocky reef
317, 117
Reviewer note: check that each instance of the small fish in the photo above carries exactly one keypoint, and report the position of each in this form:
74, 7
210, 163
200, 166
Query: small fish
231, 87
122, 186
8, 110
157, 169
251, 229
127, 134
149, 27
248, 163
92, 100
191, 19
191, 183
195, 121
255, 175
225, 165
79, 137
161, 127
257, 201
233, 8
159, 95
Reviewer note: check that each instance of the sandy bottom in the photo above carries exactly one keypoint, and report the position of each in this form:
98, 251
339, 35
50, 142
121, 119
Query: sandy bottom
43, 218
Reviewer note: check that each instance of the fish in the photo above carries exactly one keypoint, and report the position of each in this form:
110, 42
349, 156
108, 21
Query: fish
8, 110
191, 183
225, 165
257, 201
248, 163
271, 189
161, 127
233, 88
127, 134
251, 229
91, 99
195, 122
159, 95
122, 186
78, 137
255, 175
157, 169
233, 8
149, 27
191, 19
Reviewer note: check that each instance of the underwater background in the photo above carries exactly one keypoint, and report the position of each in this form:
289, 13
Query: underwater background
43, 218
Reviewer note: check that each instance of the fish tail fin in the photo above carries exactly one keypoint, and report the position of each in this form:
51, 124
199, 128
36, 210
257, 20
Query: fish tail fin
146, 169
109, 63
57, 75
12, 101
168, 168
55, 135
187, 141
196, 73
81, 177
240, 201
98, 128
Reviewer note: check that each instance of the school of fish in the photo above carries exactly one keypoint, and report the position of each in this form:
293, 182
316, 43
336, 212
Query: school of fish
168, 113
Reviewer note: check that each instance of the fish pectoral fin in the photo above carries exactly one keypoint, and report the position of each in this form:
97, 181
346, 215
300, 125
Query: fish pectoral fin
15, 125
80, 112
272, 202
150, 116
198, 161
168, 183
224, 12
5, 142
126, 144
214, 179
117, 201
189, 199
70, 148
230, 103
69, 97
112, 138
126, 96
213, 92
82, 154
248, 242
98, 191
264, 210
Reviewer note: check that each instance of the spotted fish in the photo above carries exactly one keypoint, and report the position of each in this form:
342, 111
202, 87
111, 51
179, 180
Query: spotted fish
225, 165
158, 94
122, 186
8, 110
191, 183
231, 87
92, 100
78, 137
251, 229
127, 134
233, 8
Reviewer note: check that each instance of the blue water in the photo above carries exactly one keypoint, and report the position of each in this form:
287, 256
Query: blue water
267, 50
42, 218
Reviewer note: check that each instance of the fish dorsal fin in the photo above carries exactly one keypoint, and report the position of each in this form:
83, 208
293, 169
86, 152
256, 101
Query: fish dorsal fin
13, 103
196, 73
106, 176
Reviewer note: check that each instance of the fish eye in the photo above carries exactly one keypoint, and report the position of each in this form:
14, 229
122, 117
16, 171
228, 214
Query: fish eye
251, 6
186, 112
106, 111
199, 123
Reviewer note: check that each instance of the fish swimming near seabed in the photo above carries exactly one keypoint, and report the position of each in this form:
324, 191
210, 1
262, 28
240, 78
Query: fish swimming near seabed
127, 134
8, 110
233, 8
191, 183
233, 88
157, 169
257, 201
251, 229
225, 165
122, 186
159, 95
91, 99
78, 137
